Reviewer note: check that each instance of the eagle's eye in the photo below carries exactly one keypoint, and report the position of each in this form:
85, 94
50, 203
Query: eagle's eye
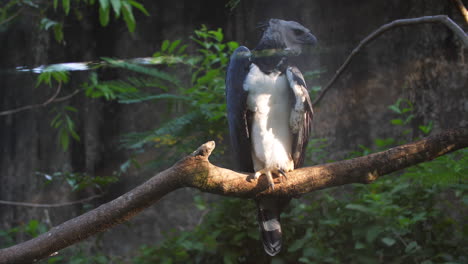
298, 32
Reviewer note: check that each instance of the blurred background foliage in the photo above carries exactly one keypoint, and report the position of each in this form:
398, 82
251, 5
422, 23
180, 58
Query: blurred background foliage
415, 216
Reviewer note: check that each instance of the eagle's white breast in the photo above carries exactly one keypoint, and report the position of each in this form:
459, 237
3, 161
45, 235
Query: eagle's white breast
269, 98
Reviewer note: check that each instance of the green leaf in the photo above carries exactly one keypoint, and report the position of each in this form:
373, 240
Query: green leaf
182, 49
128, 16
359, 245
218, 34
388, 241
60, 76
71, 108
116, 6
104, 14
372, 233
395, 109
58, 33
138, 6
174, 45
358, 207
64, 139
55, 4
397, 122
44, 77
47, 23
144, 70
104, 4
232, 45
165, 45
426, 129
385, 142
409, 118
66, 6
412, 247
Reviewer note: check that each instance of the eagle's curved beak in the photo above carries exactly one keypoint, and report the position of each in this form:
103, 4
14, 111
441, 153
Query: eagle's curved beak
310, 39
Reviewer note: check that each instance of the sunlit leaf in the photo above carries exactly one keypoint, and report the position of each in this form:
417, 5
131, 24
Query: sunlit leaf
47, 23
104, 4
116, 6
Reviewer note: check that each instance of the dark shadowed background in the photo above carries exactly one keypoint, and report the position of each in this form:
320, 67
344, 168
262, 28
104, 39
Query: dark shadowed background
424, 64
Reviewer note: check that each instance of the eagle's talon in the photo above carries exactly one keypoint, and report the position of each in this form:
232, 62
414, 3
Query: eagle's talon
257, 174
282, 173
271, 185
269, 173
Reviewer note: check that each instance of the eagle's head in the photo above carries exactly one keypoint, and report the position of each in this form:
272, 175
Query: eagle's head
288, 35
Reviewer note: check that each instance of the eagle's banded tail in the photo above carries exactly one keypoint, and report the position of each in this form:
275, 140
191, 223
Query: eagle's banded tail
270, 229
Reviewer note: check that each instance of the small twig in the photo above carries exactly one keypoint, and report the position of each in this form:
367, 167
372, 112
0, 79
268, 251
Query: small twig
66, 97
12, 16
462, 8
443, 19
50, 205
200, 220
52, 99
47, 218
27, 107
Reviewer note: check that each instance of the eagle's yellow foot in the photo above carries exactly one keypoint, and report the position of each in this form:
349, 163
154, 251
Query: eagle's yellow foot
269, 174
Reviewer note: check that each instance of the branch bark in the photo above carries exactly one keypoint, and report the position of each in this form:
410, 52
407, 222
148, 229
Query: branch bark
442, 19
196, 171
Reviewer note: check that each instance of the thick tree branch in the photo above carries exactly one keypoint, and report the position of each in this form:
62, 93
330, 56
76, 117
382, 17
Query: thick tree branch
443, 19
196, 171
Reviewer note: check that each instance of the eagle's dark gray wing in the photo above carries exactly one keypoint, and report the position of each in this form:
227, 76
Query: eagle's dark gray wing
301, 115
238, 115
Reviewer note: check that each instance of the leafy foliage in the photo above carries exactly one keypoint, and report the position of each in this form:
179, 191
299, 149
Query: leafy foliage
202, 98
46, 77
404, 110
32, 229
228, 232
79, 181
451, 169
390, 221
62, 120
65, 126
120, 8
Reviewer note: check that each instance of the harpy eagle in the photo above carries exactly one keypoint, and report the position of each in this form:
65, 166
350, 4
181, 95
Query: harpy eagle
270, 114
